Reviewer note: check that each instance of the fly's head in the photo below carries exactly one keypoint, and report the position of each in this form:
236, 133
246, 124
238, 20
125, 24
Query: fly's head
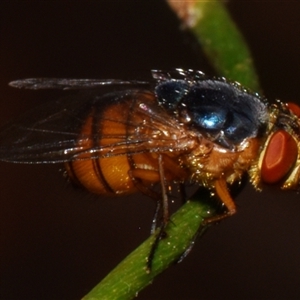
279, 158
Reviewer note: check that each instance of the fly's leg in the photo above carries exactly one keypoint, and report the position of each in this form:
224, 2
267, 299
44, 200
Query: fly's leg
201, 230
225, 197
165, 203
165, 214
156, 216
137, 175
222, 192
162, 207
161, 215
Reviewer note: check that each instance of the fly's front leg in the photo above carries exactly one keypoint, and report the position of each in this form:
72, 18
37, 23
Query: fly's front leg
222, 192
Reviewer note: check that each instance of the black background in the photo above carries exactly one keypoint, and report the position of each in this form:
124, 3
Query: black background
58, 242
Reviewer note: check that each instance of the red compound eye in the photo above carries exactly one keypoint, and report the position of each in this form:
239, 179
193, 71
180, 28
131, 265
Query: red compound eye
294, 108
280, 156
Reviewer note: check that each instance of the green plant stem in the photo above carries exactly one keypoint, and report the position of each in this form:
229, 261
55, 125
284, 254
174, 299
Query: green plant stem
131, 275
220, 39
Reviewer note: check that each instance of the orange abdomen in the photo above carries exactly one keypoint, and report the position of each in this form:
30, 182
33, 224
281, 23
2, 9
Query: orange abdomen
113, 134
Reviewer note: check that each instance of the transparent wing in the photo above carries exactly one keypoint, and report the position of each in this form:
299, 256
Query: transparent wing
68, 83
53, 133
48, 133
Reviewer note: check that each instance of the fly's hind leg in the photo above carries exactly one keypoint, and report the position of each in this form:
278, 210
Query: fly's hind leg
165, 213
138, 176
161, 206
